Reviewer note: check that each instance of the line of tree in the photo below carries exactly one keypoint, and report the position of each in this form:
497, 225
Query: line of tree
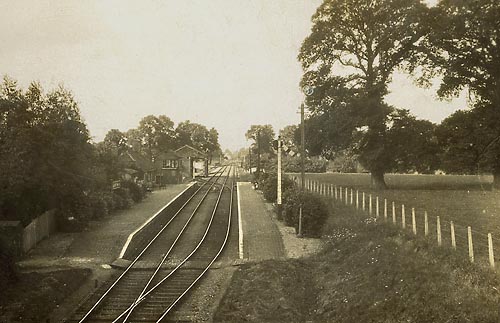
349, 58
49, 160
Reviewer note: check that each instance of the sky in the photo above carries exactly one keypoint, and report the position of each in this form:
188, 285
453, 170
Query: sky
226, 64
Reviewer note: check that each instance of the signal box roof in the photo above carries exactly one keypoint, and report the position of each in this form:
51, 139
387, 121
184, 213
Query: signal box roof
188, 151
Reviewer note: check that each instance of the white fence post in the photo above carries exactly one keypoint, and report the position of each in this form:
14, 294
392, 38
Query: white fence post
438, 229
403, 216
426, 224
413, 221
471, 246
453, 240
385, 209
490, 251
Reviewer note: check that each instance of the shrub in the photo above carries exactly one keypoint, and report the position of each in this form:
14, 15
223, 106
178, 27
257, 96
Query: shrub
7, 267
136, 191
122, 199
269, 185
311, 165
291, 204
314, 212
98, 205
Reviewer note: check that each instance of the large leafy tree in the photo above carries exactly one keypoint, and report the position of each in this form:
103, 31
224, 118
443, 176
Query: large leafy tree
471, 141
197, 136
464, 50
45, 148
349, 57
155, 134
116, 141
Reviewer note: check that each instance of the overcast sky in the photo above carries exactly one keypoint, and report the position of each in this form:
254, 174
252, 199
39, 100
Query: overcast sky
226, 64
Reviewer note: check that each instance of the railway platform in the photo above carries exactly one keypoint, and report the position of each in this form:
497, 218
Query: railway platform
260, 238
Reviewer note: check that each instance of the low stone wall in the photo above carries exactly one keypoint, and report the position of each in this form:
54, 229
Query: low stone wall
141, 237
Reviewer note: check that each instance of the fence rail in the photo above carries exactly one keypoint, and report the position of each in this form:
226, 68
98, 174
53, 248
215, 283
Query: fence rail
471, 242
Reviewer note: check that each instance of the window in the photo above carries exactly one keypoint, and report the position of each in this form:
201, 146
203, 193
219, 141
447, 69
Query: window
170, 163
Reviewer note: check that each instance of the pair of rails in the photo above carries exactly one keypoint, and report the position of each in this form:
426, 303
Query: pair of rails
146, 285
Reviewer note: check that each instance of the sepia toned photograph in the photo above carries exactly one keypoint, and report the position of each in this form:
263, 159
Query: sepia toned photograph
249, 161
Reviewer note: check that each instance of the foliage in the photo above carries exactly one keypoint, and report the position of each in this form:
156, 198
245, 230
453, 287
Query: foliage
45, 148
471, 141
344, 161
314, 212
268, 183
136, 191
291, 135
464, 50
368, 41
412, 143
155, 134
263, 136
197, 136
311, 165
8, 273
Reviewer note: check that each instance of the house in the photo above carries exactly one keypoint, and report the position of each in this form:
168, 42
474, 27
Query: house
167, 168
194, 162
136, 167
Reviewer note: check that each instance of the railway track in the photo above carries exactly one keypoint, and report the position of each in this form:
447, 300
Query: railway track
175, 259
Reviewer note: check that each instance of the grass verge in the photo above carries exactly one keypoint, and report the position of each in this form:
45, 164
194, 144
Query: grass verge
368, 272
36, 294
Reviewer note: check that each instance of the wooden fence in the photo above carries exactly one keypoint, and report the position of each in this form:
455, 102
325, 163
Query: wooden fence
433, 227
38, 229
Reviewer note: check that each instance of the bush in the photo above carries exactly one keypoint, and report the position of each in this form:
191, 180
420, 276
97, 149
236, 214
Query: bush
122, 198
314, 212
136, 191
7, 268
311, 165
98, 205
268, 183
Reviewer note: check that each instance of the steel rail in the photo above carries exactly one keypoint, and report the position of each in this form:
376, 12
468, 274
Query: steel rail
141, 299
108, 290
164, 258
165, 313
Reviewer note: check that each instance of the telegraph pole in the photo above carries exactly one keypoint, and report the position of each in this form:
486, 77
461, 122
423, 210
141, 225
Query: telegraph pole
308, 90
278, 199
250, 160
302, 166
258, 154
302, 149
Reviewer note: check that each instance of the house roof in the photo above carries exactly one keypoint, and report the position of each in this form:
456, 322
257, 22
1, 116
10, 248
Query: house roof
188, 151
142, 162
172, 155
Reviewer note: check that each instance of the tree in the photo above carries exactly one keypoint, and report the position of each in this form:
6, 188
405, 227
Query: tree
263, 136
156, 134
291, 135
367, 40
46, 151
197, 136
464, 50
471, 142
116, 141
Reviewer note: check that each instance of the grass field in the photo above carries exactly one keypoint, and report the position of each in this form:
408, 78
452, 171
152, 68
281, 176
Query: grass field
367, 272
465, 200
